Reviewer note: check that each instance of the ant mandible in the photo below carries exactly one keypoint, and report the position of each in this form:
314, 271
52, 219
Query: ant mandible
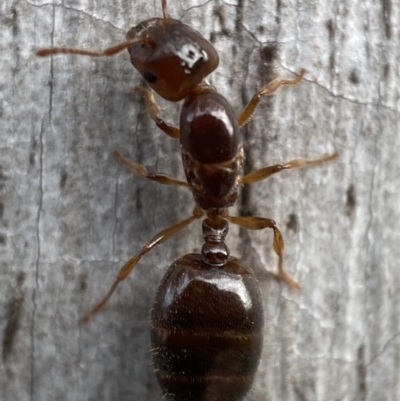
207, 317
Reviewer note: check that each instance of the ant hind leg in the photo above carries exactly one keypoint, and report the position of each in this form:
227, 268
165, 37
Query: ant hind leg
125, 270
259, 223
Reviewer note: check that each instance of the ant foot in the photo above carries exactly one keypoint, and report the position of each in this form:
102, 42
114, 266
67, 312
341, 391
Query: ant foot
287, 279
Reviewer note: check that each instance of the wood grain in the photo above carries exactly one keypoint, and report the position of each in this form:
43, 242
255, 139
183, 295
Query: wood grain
70, 215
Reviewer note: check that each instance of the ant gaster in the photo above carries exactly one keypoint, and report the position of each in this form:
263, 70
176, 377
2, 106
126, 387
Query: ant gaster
207, 317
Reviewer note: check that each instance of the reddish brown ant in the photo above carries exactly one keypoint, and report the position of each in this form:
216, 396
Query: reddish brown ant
207, 318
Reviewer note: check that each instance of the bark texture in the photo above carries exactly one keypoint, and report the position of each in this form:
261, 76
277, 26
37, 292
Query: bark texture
70, 215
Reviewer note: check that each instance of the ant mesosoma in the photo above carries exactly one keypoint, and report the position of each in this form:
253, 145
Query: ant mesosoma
207, 317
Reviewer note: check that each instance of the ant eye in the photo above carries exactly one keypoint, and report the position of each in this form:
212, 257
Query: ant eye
149, 77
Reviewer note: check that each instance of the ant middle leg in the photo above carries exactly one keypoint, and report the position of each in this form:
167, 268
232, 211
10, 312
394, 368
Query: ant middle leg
268, 89
263, 173
154, 109
259, 223
159, 238
141, 171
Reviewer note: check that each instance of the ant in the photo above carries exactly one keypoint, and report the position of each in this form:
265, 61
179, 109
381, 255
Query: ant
207, 317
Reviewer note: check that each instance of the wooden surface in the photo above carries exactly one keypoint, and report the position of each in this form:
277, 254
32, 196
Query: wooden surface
70, 215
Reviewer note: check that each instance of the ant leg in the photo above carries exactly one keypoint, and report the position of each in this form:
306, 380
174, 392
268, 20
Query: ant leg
263, 173
110, 51
131, 263
141, 171
268, 89
259, 223
154, 109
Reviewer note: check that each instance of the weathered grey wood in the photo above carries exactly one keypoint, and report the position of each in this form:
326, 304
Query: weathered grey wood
70, 215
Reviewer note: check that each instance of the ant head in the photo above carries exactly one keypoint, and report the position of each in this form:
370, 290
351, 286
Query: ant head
172, 57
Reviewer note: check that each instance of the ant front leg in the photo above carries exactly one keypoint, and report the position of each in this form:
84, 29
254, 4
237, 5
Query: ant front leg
141, 171
263, 173
259, 223
131, 263
268, 89
154, 109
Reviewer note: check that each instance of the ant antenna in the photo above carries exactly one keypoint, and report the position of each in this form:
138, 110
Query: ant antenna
164, 9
